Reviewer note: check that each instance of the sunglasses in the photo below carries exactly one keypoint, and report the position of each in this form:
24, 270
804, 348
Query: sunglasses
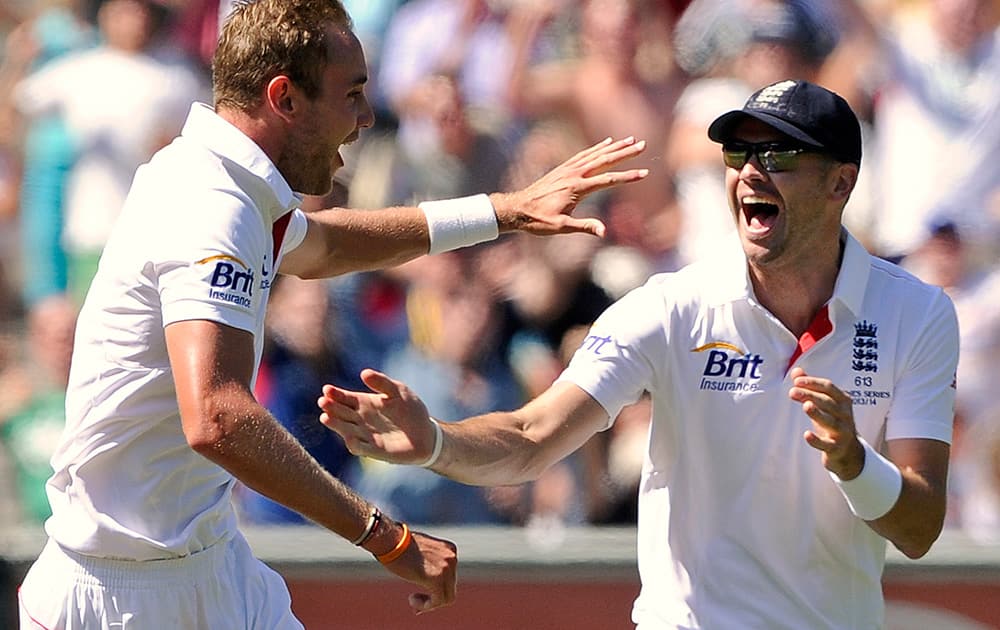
773, 156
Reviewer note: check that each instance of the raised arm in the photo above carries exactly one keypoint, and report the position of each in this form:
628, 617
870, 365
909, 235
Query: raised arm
339, 240
223, 422
391, 423
536, 90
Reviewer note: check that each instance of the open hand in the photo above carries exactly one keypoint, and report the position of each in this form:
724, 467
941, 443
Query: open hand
389, 423
546, 206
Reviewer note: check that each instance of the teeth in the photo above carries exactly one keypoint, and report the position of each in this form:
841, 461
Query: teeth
755, 199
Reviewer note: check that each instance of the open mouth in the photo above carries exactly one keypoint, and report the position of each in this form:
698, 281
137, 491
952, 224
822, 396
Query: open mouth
760, 215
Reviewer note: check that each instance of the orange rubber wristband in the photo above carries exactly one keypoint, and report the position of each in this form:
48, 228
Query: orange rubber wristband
399, 549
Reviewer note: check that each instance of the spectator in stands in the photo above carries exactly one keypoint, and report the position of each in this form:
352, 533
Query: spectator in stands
47, 149
931, 72
121, 102
615, 40
464, 39
449, 157
31, 433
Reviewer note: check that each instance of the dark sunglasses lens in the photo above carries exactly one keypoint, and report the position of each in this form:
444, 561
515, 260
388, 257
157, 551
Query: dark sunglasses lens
777, 160
735, 157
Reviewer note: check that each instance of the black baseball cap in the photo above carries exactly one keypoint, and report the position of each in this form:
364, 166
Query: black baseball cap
811, 114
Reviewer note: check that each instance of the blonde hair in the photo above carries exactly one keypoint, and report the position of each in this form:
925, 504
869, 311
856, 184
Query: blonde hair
262, 39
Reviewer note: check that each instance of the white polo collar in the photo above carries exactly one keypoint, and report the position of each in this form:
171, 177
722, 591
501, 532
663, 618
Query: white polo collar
207, 128
733, 277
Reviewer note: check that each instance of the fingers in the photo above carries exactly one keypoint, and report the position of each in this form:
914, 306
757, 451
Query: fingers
614, 178
605, 153
379, 382
587, 226
819, 443
334, 394
421, 602
355, 437
425, 602
589, 152
818, 385
432, 564
615, 149
341, 414
612, 155
821, 400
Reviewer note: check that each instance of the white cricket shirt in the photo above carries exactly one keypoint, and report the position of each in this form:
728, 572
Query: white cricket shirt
200, 237
740, 525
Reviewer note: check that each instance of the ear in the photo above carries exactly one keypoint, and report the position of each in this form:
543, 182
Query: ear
845, 177
281, 97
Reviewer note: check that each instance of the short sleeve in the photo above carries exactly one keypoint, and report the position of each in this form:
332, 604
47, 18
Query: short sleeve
613, 364
216, 272
924, 398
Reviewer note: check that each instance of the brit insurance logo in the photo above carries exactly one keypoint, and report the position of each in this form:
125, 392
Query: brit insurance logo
232, 280
729, 368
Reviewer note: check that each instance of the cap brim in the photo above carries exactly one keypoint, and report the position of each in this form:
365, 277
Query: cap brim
722, 128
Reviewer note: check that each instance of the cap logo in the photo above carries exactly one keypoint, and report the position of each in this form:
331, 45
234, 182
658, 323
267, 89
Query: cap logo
771, 95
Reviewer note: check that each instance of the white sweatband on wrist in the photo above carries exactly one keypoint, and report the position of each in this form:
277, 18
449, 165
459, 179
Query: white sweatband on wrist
872, 494
438, 443
455, 223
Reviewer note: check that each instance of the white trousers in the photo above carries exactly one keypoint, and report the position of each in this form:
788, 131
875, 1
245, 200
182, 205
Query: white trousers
221, 588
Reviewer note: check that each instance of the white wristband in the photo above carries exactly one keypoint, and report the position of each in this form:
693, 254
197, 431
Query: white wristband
455, 223
438, 443
872, 494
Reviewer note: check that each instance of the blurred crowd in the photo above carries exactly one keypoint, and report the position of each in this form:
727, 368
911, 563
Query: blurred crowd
483, 95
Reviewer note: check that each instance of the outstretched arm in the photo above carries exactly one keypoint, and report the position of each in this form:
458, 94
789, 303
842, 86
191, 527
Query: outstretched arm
914, 520
341, 240
391, 423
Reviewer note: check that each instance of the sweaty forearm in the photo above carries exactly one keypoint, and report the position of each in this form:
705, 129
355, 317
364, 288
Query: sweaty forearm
258, 451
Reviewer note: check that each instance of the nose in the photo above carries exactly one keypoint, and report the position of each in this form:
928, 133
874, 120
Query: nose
367, 116
752, 169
